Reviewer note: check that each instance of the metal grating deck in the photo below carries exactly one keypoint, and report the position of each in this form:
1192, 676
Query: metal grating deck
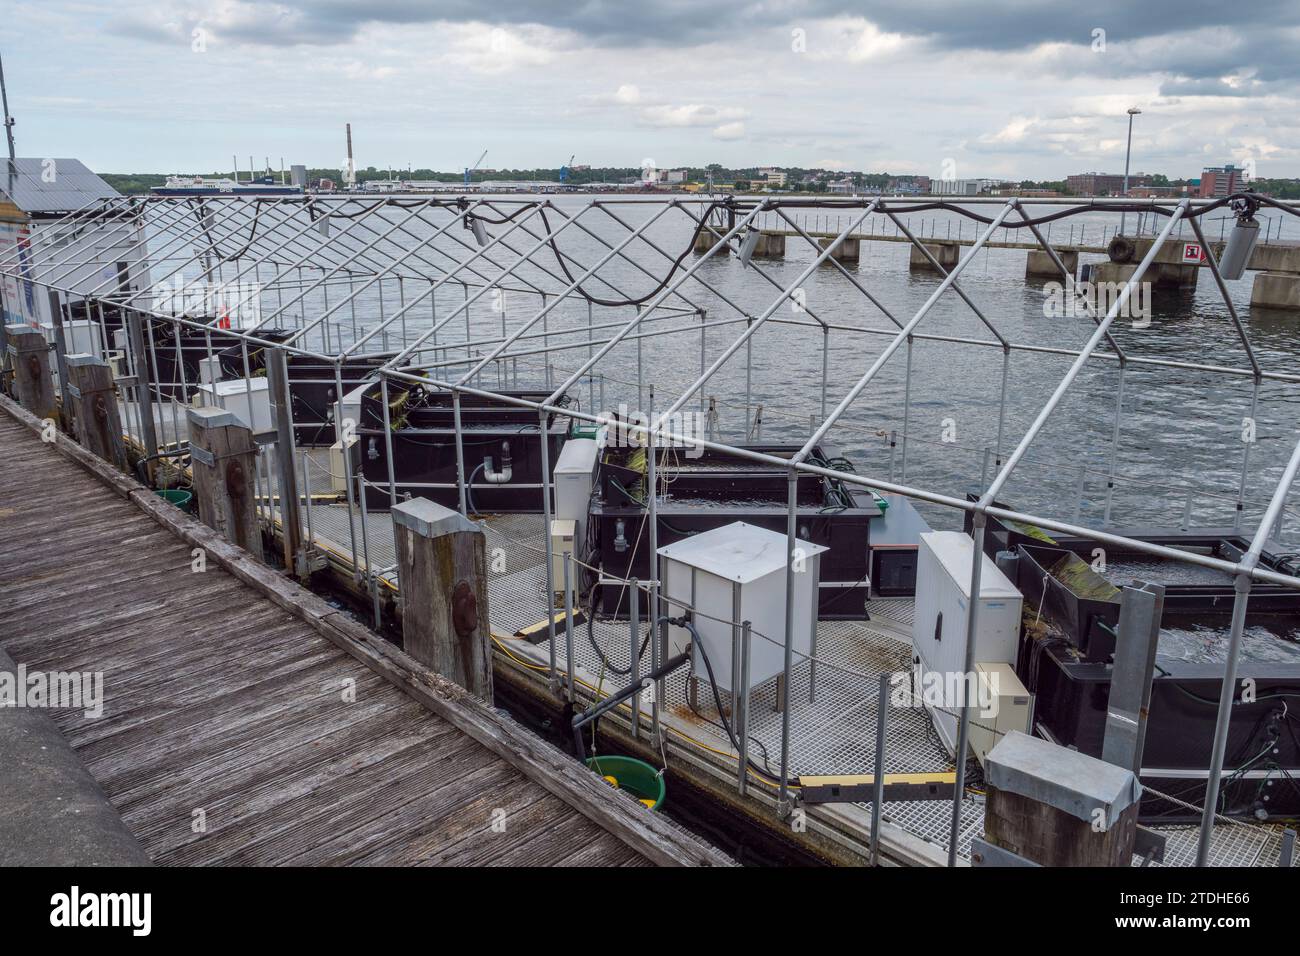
835, 733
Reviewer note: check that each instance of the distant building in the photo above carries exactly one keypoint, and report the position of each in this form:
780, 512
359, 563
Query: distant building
1027, 192
675, 176
1221, 181
1103, 184
959, 187
1161, 192
908, 186
772, 175
841, 187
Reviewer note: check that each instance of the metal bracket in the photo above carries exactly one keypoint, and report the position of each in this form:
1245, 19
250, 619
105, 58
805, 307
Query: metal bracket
73, 390
983, 853
310, 560
205, 457
1149, 845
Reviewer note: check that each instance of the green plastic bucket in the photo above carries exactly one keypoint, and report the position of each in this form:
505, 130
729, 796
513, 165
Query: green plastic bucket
181, 499
635, 776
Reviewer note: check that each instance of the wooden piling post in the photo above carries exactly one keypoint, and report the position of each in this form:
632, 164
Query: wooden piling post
277, 373
442, 568
223, 463
60, 348
1052, 806
135, 330
92, 400
29, 354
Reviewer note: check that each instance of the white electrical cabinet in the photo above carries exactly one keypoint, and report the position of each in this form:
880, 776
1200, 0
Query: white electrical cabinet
562, 538
249, 400
737, 573
210, 370
574, 475
80, 337
943, 577
1005, 706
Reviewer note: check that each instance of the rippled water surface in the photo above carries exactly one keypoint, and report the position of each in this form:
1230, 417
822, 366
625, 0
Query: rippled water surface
1181, 429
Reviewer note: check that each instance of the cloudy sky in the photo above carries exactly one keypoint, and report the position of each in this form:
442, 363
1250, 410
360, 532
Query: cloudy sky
1018, 88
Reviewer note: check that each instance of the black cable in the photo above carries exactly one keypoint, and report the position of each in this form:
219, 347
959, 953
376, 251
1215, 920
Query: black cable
717, 700
469, 488
677, 263
767, 760
591, 634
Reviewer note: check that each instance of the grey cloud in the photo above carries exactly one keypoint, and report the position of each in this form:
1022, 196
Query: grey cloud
1262, 36
954, 24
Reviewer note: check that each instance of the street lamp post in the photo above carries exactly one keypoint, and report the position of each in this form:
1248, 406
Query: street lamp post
1128, 152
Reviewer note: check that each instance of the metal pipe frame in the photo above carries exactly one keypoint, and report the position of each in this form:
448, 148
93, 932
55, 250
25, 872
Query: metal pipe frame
355, 258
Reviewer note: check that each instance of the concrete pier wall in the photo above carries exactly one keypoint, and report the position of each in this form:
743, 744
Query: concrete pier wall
847, 251
1267, 257
771, 245
1276, 290
1159, 275
1039, 265
947, 253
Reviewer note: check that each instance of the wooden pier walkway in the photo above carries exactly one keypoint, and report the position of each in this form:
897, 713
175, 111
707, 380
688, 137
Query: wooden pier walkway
246, 721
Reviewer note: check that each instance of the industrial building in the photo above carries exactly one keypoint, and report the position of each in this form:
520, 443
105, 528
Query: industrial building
1103, 184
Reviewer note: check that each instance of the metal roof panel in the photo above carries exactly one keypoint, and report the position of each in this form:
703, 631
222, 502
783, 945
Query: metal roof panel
71, 185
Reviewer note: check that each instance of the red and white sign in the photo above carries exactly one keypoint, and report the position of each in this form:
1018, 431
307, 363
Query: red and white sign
1192, 252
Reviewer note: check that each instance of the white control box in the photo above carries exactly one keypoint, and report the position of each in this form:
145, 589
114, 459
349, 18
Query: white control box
248, 399
574, 475
943, 579
562, 543
737, 573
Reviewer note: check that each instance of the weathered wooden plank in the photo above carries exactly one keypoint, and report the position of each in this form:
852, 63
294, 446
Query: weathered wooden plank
126, 695
299, 816
257, 736
257, 749
524, 823
232, 802
275, 695
210, 597
441, 832
404, 809
551, 846
605, 850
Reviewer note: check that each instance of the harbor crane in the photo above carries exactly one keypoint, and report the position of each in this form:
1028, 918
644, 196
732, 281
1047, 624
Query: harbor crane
471, 169
566, 168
